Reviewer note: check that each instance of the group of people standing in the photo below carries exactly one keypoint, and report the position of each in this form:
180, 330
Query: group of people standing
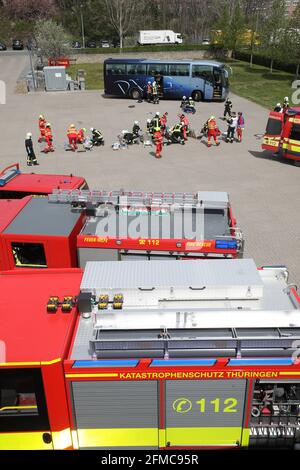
75, 137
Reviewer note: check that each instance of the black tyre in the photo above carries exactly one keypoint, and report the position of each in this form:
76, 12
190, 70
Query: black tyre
136, 94
197, 96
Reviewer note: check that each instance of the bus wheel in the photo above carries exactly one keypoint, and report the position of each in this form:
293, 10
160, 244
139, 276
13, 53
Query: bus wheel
296, 162
197, 96
136, 94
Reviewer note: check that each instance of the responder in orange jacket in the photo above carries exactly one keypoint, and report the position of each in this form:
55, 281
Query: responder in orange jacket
163, 123
149, 92
80, 136
185, 125
42, 126
212, 131
158, 140
72, 136
48, 138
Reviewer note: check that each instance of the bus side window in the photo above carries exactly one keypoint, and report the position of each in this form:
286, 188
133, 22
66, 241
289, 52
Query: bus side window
29, 255
203, 71
180, 70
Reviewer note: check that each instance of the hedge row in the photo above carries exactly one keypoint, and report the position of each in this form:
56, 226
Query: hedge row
161, 48
261, 59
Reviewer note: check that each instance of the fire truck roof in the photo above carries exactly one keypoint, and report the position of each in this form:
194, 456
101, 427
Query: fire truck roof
40, 184
9, 208
38, 217
224, 307
28, 332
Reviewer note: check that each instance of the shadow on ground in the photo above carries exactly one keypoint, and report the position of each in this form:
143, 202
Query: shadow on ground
269, 156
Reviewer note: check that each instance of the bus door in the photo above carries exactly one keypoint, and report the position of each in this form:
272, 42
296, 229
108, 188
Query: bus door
203, 81
204, 413
24, 422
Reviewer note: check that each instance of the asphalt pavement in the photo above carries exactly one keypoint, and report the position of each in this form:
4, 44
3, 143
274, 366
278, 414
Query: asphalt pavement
264, 191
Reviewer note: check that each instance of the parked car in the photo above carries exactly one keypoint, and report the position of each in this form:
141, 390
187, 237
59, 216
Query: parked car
2, 46
92, 44
17, 45
206, 42
116, 43
105, 43
76, 45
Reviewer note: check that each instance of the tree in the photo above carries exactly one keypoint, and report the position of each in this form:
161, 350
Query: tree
231, 23
274, 33
29, 9
51, 39
292, 38
120, 16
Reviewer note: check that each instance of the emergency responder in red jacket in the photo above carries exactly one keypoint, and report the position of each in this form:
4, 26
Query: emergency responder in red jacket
149, 92
80, 136
163, 122
158, 140
240, 126
72, 136
42, 126
48, 138
185, 125
212, 131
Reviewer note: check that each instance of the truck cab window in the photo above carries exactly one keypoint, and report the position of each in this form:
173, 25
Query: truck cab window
295, 132
274, 127
22, 400
29, 255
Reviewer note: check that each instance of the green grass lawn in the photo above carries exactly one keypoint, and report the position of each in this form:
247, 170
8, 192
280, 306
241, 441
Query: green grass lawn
94, 75
259, 85
256, 84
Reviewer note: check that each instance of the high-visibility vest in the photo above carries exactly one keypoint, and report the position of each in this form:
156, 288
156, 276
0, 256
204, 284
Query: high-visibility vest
211, 124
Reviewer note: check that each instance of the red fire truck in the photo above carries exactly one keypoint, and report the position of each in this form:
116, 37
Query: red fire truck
143, 355
282, 135
73, 227
14, 184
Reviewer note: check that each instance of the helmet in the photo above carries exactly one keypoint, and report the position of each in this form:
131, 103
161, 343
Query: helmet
157, 113
154, 83
84, 129
124, 132
149, 83
136, 123
212, 117
278, 105
28, 135
48, 124
92, 129
148, 120
41, 116
190, 98
286, 98
72, 125
184, 97
157, 129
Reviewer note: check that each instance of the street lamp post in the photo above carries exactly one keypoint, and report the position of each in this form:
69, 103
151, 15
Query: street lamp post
82, 27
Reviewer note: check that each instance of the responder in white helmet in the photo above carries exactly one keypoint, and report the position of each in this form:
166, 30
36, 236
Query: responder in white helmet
286, 103
31, 158
278, 108
184, 102
155, 93
137, 132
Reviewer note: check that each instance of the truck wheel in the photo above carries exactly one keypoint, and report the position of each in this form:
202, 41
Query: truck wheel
197, 96
136, 94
